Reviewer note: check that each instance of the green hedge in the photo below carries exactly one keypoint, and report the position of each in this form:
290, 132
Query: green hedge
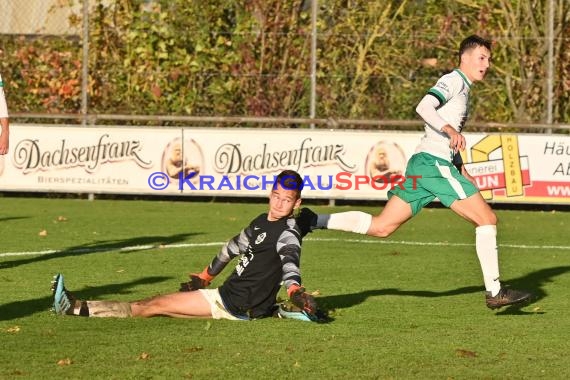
236, 58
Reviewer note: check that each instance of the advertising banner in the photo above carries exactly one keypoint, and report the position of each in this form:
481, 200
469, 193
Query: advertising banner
336, 164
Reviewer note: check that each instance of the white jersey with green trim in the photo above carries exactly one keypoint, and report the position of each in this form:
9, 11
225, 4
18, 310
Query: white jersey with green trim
452, 93
3, 106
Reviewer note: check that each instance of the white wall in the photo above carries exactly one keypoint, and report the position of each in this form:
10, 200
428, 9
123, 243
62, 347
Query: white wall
39, 16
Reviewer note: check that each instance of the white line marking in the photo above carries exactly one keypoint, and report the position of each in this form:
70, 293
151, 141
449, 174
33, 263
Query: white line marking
193, 245
121, 249
442, 243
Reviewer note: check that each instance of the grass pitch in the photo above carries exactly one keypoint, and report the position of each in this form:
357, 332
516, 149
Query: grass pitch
407, 307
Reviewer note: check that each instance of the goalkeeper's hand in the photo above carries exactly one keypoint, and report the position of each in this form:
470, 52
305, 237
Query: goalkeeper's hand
197, 281
302, 299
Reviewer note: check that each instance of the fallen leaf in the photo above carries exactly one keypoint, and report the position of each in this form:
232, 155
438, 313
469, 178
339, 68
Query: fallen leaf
43, 233
465, 353
156, 91
144, 356
66, 361
61, 219
13, 329
316, 293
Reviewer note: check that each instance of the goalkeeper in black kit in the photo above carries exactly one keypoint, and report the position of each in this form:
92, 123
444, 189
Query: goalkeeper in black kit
269, 250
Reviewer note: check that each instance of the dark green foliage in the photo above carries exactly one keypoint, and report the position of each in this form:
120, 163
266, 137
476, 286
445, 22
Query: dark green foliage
375, 59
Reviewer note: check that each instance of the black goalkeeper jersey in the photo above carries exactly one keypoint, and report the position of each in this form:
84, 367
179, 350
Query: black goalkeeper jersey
269, 255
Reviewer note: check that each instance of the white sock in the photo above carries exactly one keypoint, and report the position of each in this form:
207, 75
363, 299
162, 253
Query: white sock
105, 309
351, 221
486, 247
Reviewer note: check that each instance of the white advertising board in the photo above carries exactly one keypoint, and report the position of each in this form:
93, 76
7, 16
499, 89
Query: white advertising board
339, 164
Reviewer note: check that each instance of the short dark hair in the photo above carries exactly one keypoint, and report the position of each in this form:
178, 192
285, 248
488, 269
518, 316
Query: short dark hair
289, 180
472, 42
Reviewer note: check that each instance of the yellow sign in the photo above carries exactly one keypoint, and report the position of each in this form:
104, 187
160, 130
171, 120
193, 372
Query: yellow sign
481, 151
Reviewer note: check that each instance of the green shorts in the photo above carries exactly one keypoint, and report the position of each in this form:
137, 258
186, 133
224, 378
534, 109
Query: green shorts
428, 177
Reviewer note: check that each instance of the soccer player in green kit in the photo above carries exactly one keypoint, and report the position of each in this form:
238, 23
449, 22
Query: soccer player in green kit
439, 172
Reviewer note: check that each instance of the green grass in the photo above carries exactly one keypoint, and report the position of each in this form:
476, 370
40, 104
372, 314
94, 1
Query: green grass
402, 309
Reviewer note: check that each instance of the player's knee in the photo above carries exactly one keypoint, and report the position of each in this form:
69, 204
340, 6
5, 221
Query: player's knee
494, 219
383, 233
488, 219
379, 231
491, 218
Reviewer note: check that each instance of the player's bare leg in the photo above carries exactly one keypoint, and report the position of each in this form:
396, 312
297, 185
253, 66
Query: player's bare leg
178, 305
181, 305
476, 210
393, 215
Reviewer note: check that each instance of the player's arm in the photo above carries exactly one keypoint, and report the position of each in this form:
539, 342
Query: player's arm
231, 249
4, 122
289, 249
427, 108
5, 135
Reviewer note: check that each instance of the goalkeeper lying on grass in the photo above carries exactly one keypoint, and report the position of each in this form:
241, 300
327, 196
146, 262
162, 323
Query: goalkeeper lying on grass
270, 249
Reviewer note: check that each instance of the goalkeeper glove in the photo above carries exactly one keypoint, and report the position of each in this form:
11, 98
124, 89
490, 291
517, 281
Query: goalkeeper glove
197, 281
301, 299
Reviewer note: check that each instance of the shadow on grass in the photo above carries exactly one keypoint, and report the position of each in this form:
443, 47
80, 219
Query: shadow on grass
9, 218
532, 282
21, 309
137, 243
